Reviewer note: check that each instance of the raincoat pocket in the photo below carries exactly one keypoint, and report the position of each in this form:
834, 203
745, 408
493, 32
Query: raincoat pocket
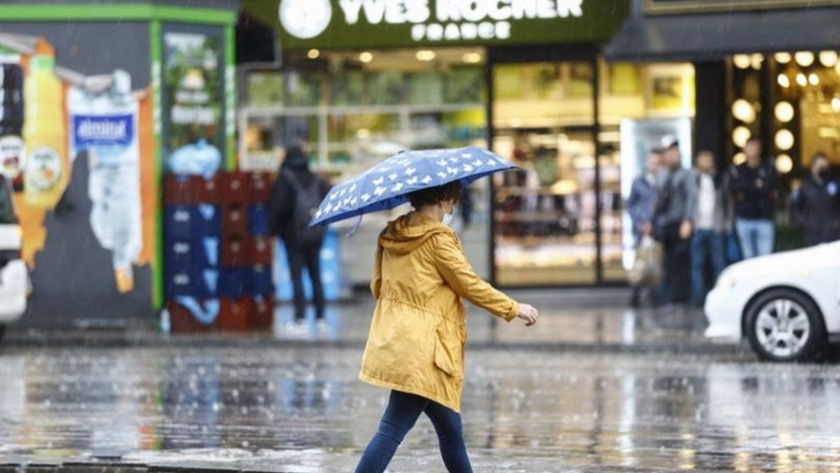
449, 348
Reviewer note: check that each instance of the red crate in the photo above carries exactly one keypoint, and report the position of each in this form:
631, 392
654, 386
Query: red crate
260, 187
236, 187
211, 190
182, 190
235, 220
234, 315
182, 321
235, 252
260, 251
262, 313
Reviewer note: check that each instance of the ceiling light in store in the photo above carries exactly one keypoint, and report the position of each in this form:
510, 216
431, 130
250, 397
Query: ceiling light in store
835, 104
783, 112
813, 79
784, 81
828, 58
362, 133
471, 58
784, 140
313, 54
741, 61
804, 58
756, 60
425, 55
782, 58
366, 57
742, 110
739, 158
784, 164
801, 79
740, 135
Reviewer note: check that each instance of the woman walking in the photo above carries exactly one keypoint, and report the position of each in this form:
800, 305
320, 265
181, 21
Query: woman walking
417, 335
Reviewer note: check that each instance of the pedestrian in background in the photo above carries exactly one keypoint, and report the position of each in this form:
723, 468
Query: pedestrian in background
417, 335
752, 185
672, 226
815, 206
640, 206
295, 196
711, 220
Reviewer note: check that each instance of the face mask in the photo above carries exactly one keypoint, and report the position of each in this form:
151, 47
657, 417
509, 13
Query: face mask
824, 173
449, 217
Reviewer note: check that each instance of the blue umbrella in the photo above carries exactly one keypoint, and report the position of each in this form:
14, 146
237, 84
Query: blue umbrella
387, 184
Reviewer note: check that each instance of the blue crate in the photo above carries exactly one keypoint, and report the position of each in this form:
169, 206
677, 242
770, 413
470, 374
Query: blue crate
234, 283
180, 221
209, 220
258, 220
199, 253
262, 283
182, 282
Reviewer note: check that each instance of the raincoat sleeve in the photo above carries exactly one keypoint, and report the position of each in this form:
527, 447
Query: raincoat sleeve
459, 275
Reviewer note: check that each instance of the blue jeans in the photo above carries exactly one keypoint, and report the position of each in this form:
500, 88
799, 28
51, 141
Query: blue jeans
400, 415
705, 244
756, 236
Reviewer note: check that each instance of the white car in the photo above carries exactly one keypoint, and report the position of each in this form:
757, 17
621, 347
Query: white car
14, 275
786, 304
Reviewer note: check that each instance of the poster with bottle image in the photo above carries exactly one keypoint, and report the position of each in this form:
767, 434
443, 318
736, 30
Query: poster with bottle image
193, 75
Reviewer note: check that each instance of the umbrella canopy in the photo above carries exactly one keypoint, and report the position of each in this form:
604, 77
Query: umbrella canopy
387, 184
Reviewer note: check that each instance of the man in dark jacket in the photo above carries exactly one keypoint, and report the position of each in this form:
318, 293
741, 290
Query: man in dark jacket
815, 206
296, 194
752, 185
672, 227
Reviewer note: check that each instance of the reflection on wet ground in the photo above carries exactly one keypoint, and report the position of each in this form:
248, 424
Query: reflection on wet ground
301, 409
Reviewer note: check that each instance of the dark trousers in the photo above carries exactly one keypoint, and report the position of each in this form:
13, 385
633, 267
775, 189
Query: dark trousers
705, 244
400, 415
675, 271
308, 256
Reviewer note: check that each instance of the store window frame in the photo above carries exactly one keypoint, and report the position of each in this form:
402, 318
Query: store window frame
589, 53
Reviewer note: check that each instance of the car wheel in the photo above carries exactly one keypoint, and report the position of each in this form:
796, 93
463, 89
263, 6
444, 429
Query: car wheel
785, 325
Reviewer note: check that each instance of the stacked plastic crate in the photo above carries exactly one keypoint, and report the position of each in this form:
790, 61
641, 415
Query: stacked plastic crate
218, 253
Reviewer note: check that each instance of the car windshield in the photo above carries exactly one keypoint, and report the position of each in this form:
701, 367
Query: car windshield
7, 205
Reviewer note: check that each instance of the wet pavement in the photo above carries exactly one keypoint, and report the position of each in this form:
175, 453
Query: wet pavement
585, 319
301, 409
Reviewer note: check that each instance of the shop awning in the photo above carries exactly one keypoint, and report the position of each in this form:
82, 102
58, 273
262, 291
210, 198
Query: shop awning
699, 37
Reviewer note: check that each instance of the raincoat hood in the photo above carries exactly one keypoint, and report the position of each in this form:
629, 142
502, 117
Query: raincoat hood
402, 238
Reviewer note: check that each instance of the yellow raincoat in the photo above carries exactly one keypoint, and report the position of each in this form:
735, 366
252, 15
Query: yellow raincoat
418, 332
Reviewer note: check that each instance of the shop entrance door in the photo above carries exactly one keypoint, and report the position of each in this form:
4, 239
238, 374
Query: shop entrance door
545, 215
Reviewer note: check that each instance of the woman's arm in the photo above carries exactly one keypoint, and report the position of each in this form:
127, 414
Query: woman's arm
459, 275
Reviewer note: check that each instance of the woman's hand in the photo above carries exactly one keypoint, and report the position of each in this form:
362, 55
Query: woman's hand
528, 313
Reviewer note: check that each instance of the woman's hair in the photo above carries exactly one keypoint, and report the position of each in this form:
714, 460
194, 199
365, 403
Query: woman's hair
434, 195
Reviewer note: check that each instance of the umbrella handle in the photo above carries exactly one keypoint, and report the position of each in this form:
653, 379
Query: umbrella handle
355, 226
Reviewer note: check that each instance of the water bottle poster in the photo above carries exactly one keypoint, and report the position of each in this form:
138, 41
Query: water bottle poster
193, 118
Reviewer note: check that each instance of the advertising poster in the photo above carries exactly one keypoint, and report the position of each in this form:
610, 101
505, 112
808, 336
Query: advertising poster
71, 145
193, 73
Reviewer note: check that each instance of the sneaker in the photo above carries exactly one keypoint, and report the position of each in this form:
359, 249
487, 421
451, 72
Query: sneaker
296, 328
323, 326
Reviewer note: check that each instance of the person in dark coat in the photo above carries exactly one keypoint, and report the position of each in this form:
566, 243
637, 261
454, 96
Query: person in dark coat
815, 206
753, 187
640, 206
296, 194
672, 227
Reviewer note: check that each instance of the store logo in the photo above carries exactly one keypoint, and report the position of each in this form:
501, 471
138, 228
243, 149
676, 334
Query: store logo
103, 130
305, 19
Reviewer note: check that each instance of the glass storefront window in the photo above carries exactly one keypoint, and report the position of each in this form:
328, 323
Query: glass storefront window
545, 212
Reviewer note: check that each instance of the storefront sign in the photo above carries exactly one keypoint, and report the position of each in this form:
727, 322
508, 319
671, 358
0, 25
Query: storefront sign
701, 6
394, 23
